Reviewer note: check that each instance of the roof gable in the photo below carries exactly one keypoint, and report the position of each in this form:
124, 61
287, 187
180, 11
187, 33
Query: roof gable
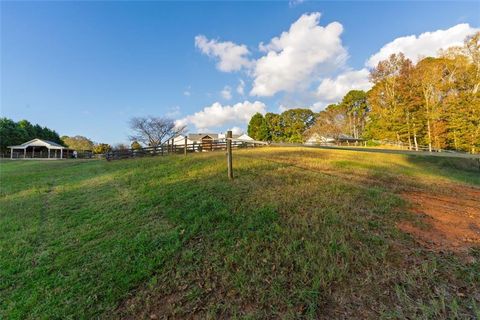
40, 143
200, 136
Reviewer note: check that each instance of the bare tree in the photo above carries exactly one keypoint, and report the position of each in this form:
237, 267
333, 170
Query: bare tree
153, 131
331, 123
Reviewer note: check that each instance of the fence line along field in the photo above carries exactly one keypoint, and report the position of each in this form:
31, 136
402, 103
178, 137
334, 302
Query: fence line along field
299, 233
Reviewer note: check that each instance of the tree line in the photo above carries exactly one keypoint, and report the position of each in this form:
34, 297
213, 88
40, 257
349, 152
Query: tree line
151, 131
435, 103
14, 133
289, 126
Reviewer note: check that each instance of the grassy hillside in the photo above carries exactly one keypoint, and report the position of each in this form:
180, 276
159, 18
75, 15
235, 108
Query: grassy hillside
299, 233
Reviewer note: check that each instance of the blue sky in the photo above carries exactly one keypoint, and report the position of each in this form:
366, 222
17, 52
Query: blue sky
85, 68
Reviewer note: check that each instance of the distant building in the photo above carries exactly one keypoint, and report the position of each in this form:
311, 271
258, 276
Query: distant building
319, 139
316, 138
180, 140
39, 149
208, 141
245, 137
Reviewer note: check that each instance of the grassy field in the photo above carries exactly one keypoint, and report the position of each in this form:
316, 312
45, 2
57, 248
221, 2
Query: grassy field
299, 233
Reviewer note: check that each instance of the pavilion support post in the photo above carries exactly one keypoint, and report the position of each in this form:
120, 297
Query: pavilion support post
61, 153
33, 152
25, 153
48, 153
11, 153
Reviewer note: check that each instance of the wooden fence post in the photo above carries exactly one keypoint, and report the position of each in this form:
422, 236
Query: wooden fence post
229, 155
185, 149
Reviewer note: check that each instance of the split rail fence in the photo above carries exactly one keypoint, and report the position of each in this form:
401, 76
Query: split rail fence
170, 148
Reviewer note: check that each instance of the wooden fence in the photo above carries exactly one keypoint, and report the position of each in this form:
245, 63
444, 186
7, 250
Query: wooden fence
170, 148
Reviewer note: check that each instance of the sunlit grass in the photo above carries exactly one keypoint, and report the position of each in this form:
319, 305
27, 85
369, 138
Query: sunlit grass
299, 232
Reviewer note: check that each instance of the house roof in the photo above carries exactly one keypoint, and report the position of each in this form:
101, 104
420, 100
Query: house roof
200, 136
243, 137
38, 143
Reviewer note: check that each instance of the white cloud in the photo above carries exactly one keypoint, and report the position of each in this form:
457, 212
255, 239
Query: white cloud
424, 45
236, 130
333, 89
217, 115
230, 56
186, 93
226, 93
241, 87
298, 56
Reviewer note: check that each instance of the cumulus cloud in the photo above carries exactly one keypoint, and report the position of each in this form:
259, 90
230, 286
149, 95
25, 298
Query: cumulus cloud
230, 56
333, 89
425, 45
298, 55
226, 93
217, 115
236, 130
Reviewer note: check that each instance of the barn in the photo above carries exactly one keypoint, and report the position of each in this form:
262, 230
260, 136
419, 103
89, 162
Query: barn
204, 139
39, 149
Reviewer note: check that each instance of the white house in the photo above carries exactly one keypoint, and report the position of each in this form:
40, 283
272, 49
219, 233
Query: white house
341, 139
245, 137
180, 140
39, 148
318, 139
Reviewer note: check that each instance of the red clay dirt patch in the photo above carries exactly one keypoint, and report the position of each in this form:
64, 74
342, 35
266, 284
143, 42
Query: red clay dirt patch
452, 218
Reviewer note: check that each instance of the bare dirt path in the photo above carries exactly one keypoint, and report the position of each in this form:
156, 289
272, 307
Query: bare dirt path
451, 219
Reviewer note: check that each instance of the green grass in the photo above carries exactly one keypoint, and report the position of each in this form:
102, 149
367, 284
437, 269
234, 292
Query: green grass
300, 233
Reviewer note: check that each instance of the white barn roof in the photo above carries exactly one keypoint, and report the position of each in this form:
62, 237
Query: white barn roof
38, 143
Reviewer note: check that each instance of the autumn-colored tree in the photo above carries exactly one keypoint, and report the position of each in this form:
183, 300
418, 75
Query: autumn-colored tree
389, 117
435, 102
101, 148
135, 145
78, 142
330, 123
355, 107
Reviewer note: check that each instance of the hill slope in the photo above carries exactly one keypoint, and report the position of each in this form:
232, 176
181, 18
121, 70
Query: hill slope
299, 232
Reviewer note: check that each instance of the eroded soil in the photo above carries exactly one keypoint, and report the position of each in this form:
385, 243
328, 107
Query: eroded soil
450, 219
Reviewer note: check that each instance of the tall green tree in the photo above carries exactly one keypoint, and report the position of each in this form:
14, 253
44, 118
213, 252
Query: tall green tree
257, 127
274, 126
295, 122
11, 133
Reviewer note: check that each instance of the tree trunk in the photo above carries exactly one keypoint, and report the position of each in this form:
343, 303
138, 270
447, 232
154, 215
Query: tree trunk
429, 136
409, 133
